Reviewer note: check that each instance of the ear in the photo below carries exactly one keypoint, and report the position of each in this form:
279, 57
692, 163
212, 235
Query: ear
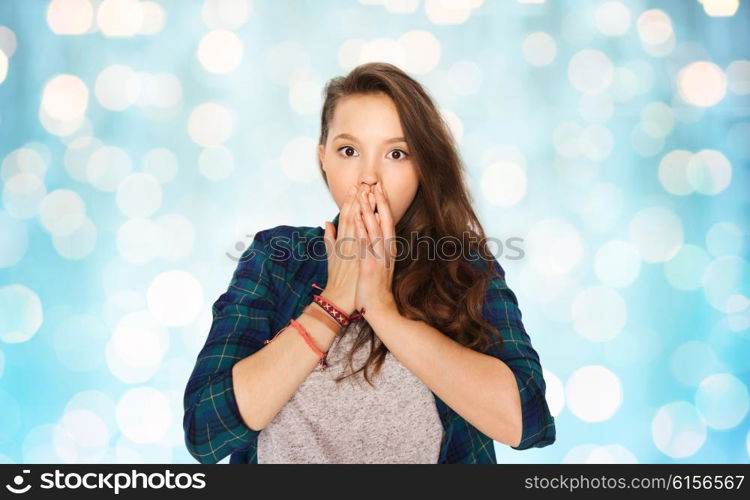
322, 155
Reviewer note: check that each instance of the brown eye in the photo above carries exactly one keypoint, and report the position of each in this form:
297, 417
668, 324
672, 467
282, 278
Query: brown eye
347, 148
401, 154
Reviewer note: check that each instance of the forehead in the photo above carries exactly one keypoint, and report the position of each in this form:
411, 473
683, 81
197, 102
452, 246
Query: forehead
366, 115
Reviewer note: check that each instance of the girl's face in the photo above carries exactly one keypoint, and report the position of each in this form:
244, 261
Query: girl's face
365, 144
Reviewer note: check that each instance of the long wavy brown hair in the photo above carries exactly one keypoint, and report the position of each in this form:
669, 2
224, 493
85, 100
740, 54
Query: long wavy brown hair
446, 294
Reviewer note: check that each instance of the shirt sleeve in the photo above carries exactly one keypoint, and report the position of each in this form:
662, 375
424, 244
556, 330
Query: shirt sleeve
241, 323
501, 309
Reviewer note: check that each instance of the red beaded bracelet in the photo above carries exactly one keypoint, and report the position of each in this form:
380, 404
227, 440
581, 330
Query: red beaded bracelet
340, 316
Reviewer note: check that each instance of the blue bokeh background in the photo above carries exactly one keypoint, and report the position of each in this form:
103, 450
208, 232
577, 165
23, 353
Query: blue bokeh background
143, 143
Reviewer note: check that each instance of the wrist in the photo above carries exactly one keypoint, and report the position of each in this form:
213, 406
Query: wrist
382, 307
339, 301
317, 312
313, 326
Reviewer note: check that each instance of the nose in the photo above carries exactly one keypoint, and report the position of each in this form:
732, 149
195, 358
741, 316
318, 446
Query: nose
369, 180
368, 176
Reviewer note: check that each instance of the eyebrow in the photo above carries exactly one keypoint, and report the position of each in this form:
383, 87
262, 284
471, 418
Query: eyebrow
352, 138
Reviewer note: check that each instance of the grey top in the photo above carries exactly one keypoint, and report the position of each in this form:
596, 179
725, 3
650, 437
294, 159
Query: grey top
352, 422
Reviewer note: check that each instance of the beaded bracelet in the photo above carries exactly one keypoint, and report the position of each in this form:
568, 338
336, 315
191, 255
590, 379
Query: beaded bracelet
340, 316
316, 313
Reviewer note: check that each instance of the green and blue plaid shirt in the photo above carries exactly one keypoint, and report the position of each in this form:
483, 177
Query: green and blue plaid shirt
273, 284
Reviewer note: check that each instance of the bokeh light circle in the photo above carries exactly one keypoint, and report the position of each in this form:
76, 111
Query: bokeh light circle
70, 17
15, 240
23, 160
178, 236
657, 119
65, 98
738, 77
590, 71
139, 195
62, 212
119, 18
654, 27
8, 42
117, 87
709, 172
23, 194
21, 313
79, 244
724, 238
421, 51
554, 393
693, 361
599, 313
175, 298
107, 166
673, 172
678, 430
617, 263
220, 51
504, 183
139, 240
81, 436
161, 163
79, 342
216, 164
685, 270
657, 233
554, 246
539, 48
724, 278
612, 18
210, 124
722, 399
136, 347
225, 14
298, 160
596, 142
702, 83
144, 415
593, 393
153, 18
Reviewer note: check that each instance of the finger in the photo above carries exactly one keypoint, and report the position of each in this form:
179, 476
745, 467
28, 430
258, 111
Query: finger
368, 214
362, 188
346, 220
386, 218
351, 196
380, 224
329, 236
331, 241
375, 235
361, 233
